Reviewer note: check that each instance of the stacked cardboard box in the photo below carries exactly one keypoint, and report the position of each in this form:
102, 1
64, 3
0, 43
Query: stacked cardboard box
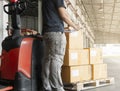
99, 69
74, 40
82, 64
76, 57
95, 55
76, 61
71, 74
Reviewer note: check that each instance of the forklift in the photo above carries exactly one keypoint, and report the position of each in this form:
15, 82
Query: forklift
21, 57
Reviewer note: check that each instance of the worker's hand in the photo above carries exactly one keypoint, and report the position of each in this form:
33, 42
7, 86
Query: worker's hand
77, 27
34, 32
69, 29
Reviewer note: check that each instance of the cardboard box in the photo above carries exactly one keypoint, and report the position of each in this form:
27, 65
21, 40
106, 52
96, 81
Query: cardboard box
74, 40
76, 57
84, 57
99, 71
72, 74
71, 58
95, 55
85, 72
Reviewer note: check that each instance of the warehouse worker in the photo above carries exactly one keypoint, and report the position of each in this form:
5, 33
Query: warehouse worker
54, 14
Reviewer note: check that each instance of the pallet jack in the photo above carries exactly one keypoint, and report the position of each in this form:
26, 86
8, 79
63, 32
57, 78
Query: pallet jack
21, 56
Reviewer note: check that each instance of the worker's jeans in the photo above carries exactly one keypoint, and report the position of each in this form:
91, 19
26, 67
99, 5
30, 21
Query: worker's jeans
55, 43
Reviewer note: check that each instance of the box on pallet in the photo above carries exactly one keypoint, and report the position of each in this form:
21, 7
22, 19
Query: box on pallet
71, 74
99, 71
74, 40
76, 57
95, 55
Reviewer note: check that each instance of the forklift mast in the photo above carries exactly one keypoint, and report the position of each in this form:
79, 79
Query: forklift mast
15, 8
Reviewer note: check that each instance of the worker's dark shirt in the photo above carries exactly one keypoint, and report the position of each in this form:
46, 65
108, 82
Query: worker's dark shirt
51, 19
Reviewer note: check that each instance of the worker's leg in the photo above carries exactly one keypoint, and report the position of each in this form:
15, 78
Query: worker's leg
56, 43
57, 54
55, 74
46, 65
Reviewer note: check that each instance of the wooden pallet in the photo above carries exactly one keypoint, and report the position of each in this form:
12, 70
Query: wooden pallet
89, 84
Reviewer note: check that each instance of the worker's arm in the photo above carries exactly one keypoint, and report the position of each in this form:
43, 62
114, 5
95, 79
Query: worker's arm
65, 17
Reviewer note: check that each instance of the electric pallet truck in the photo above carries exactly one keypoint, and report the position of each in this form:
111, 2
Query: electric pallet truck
21, 56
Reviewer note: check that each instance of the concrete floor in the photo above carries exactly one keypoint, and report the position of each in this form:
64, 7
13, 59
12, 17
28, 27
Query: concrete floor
113, 71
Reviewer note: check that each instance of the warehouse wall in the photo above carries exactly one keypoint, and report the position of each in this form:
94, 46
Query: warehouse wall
29, 22
3, 22
33, 22
106, 38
